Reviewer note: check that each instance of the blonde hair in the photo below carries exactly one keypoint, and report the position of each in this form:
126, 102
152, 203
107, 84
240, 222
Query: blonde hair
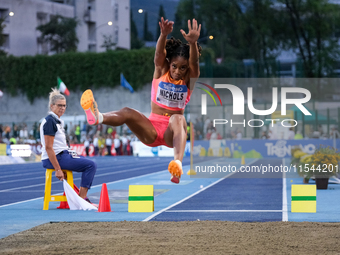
55, 96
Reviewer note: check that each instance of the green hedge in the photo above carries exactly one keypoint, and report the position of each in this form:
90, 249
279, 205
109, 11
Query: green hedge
35, 76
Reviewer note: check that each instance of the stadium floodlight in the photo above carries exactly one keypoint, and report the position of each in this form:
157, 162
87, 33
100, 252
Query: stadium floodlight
140, 11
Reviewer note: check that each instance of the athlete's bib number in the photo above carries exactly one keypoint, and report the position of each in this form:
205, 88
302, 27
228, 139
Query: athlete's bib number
172, 95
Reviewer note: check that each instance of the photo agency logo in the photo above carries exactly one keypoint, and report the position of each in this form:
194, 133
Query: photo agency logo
204, 97
238, 105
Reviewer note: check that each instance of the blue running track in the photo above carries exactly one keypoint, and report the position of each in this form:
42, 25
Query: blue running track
238, 197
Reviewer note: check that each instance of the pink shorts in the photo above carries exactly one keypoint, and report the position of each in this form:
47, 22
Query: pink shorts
160, 123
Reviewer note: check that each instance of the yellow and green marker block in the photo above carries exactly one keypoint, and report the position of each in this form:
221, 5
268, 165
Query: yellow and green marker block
303, 199
141, 198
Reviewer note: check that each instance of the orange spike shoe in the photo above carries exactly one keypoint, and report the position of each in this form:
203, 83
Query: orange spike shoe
175, 168
90, 107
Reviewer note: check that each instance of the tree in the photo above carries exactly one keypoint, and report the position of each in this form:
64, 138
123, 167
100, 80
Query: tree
261, 36
108, 42
225, 20
314, 32
147, 34
257, 29
161, 14
60, 32
136, 43
185, 11
2, 38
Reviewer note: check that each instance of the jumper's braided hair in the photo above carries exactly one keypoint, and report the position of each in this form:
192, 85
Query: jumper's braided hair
175, 48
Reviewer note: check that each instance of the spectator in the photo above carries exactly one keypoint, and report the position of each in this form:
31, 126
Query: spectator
55, 154
264, 135
83, 138
71, 133
124, 144
208, 135
206, 125
89, 130
199, 135
213, 135
198, 125
320, 130
128, 148
15, 131
272, 135
36, 132
74, 140
114, 132
133, 139
101, 145
7, 132
117, 144
316, 134
99, 128
77, 133
188, 131
239, 135
108, 143
334, 134
87, 146
23, 132
84, 129
30, 140
124, 129
291, 134
95, 145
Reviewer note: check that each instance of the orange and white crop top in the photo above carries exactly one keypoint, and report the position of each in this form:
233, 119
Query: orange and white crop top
169, 93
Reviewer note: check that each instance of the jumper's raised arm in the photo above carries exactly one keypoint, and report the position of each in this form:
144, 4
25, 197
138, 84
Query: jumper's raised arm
192, 37
160, 53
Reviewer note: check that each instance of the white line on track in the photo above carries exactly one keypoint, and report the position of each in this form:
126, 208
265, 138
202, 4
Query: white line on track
194, 194
219, 211
97, 175
98, 169
21, 202
284, 195
21, 180
91, 187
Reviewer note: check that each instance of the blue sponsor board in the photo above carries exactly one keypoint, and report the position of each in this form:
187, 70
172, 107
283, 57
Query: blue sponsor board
262, 148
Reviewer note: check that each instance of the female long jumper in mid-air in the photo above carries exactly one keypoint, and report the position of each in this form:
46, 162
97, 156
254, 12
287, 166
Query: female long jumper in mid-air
175, 64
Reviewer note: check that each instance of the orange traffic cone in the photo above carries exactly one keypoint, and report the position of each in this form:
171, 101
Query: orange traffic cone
104, 202
64, 204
